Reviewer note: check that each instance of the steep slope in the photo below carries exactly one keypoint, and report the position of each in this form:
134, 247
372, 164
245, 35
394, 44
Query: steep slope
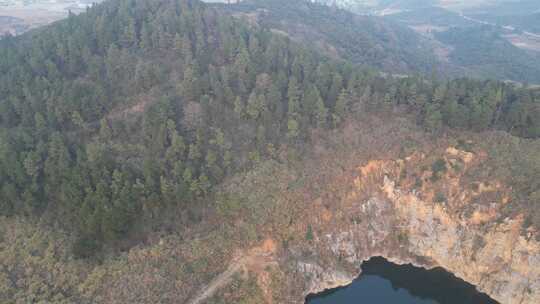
359, 193
437, 223
481, 49
146, 145
371, 41
486, 52
438, 207
455, 44
529, 22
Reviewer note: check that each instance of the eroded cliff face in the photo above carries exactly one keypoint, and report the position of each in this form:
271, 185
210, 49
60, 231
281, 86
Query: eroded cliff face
408, 214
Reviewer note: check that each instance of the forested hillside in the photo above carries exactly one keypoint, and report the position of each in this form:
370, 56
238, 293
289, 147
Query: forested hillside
370, 41
112, 117
527, 22
449, 42
170, 117
484, 50
480, 49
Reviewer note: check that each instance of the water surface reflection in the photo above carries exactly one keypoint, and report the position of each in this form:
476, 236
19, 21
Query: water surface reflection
388, 283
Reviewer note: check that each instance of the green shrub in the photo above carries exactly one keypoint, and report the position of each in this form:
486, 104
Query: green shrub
85, 247
439, 166
440, 197
309, 233
402, 237
418, 183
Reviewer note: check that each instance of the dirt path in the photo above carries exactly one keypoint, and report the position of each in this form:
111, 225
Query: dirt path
218, 282
257, 258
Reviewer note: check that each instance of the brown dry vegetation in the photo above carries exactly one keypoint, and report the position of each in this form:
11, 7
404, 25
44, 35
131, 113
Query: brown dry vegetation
269, 210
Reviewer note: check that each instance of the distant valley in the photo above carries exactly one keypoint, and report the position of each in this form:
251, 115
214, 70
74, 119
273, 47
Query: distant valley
17, 17
484, 39
449, 38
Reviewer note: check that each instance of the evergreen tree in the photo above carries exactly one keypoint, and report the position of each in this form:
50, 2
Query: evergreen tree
341, 107
321, 113
293, 94
253, 106
433, 118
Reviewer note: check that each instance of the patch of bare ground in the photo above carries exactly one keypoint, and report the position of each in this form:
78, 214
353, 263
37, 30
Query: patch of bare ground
256, 260
428, 29
142, 102
27, 19
523, 41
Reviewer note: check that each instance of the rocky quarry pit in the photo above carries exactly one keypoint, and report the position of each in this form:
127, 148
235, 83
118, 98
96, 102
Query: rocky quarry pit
424, 218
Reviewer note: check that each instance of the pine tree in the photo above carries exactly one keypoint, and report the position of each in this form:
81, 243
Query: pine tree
293, 94
105, 131
335, 89
293, 129
145, 42
239, 107
261, 137
253, 107
194, 152
451, 114
433, 118
274, 101
439, 95
129, 37
341, 106
190, 85
242, 67
187, 49
178, 44
321, 113
412, 94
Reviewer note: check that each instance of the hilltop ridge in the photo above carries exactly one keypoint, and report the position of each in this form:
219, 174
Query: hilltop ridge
147, 146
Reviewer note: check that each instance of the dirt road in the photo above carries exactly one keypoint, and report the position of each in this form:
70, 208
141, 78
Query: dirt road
256, 258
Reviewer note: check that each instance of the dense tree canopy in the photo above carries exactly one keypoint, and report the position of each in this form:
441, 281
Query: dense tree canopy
112, 116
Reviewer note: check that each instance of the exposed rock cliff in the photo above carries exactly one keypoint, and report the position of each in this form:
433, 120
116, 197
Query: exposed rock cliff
285, 230
429, 219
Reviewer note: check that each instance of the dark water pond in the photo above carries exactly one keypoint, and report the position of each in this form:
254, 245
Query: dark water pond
383, 282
